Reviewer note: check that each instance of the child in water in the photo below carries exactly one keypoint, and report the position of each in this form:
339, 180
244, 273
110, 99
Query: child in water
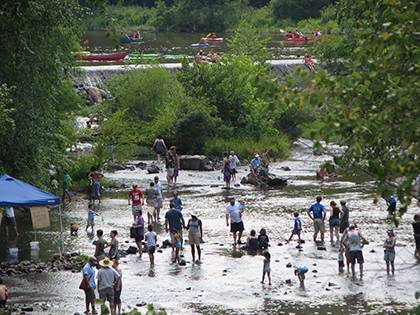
263, 239
297, 227
341, 259
252, 242
389, 252
300, 273
91, 217
178, 245
266, 268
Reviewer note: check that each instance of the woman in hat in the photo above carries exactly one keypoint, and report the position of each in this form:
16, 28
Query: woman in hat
195, 236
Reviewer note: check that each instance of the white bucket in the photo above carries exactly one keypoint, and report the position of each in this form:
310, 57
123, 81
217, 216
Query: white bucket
34, 245
13, 251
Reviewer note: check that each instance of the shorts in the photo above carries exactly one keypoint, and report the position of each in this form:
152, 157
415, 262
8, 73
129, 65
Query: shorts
356, 255
176, 173
267, 269
96, 189
90, 295
135, 209
296, 232
194, 238
138, 238
237, 227
233, 171
151, 210
334, 222
170, 172
117, 296
10, 221
91, 222
389, 255
392, 208
107, 294
151, 249
343, 225
172, 236
319, 226
159, 203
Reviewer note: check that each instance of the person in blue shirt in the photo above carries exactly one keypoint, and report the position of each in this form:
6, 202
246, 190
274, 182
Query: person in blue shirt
177, 201
317, 214
392, 204
255, 164
297, 227
174, 221
90, 285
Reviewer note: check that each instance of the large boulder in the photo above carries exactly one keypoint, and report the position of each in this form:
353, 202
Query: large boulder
264, 181
94, 95
195, 163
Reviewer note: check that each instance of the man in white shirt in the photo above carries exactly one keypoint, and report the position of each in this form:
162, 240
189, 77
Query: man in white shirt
234, 212
10, 220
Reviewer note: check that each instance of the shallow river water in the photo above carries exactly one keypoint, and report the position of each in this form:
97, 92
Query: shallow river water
228, 280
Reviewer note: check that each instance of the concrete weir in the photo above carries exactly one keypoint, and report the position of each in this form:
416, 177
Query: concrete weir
99, 75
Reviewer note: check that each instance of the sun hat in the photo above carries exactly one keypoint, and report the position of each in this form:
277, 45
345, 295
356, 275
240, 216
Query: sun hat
106, 262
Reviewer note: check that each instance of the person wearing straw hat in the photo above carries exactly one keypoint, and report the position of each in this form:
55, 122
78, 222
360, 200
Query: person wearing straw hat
195, 236
107, 279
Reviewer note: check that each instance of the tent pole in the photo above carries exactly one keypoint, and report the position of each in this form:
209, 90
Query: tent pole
61, 230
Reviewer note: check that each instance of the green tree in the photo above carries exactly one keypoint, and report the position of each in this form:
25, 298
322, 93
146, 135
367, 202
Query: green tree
298, 9
369, 95
36, 38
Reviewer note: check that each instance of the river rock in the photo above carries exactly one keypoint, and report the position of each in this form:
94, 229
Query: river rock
153, 169
27, 309
182, 262
132, 250
94, 95
285, 168
114, 166
195, 163
141, 165
289, 265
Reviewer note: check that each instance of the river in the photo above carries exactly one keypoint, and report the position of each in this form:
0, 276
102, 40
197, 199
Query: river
227, 282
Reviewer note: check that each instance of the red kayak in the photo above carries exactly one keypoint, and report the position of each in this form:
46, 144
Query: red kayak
105, 56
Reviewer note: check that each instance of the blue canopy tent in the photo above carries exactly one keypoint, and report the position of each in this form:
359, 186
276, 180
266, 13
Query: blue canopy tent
15, 193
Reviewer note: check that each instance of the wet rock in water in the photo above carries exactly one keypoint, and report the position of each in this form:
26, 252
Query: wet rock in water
224, 270
280, 244
132, 250
321, 248
298, 246
126, 242
131, 168
141, 304
327, 289
300, 249
27, 309
331, 284
153, 169
288, 281
166, 243
277, 260
285, 168
214, 186
237, 185
289, 265
372, 251
94, 95
314, 271
141, 165
314, 264
114, 166
160, 251
302, 241
221, 244
182, 262
195, 163
189, 288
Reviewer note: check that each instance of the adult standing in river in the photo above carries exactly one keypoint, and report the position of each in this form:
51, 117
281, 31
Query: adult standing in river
227, 174
159, 147
159, 197
113, 253
334, 222
139, 234
107, 280
94, 178
195, 236
354, 240
344, 219
318, 217
174, 221
234, 213
136, 198
151, 202
171, 164
89, 285
233, 164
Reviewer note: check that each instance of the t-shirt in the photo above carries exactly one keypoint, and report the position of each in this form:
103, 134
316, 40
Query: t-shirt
89, 272
194, 226
233, 161
106, 278
174, 219
100, 247
354, 241
150, 238
234, 212
151, 194
253, 243
158, 188
66, 181
113, 249
263, 241
9, 212
255, 163
177, 202
136, 196
298, 224
318, 210
392, 201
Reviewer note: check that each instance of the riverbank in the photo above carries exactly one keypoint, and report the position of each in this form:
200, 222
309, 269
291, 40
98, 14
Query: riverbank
227, 281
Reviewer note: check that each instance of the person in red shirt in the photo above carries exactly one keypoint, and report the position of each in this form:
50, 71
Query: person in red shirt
136, 199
